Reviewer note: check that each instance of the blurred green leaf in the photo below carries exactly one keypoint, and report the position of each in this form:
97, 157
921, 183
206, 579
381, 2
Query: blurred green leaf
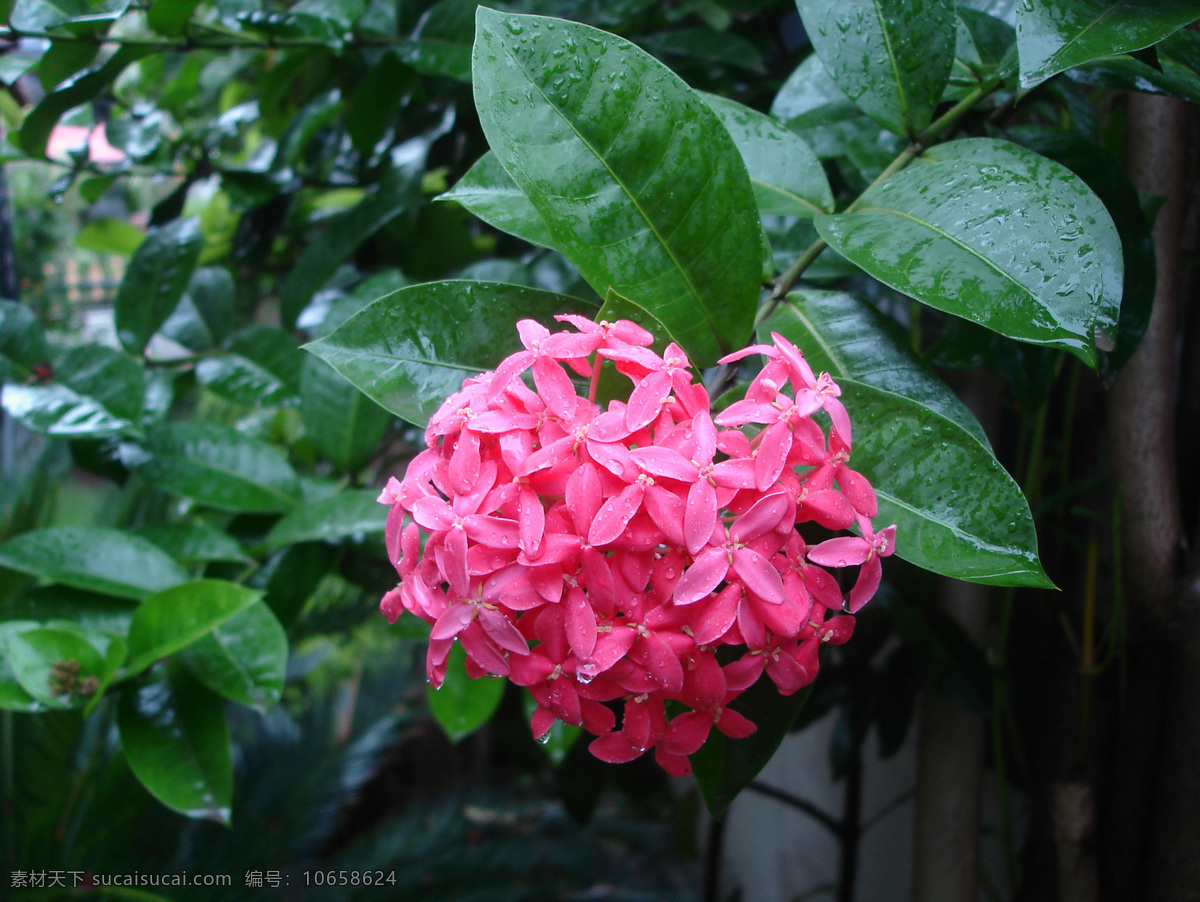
93, 558
347, 514
58, 667
110, 236
175, 738
156, 278
220, 468
22, 342
193, 543
13, 696
170, 17
204, 315
488, 191
463, 705
344, 424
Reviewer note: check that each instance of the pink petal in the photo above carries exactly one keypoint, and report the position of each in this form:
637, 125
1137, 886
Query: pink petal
637, 725
846, 551
737, 473
867, 583
706, 437
532, 522
433, 513
614, 748
481, 650
502, 631
660, 461
455, 559
856, 488
702, 577
828, 508
583, 497
739, 413
758, 575
734, 725
646, 400
688, 732
653, 652
700, 515
456, 619
555, 387
666, 509
532, 333
615, 515
718, 616
772, 455
495, 532
391, 605
761, 518
580, 623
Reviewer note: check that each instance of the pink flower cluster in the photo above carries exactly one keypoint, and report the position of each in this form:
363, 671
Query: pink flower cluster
604, 556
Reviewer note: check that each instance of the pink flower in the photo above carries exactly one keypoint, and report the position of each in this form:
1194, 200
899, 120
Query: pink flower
600, 557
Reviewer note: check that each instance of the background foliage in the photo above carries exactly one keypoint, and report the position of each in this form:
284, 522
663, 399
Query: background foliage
920, 195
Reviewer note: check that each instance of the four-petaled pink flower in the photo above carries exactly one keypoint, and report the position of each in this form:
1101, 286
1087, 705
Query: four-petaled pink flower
600, 557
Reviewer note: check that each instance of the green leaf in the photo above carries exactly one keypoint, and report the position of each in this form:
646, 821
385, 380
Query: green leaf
352, 513
204, 315
1106, 176
220, 468
58, 667
705, 45
412, 349
891, 57
13, 696
44, 605
176, 617
22, 342
58, 411
441, 43
489, 192
93, 558
463, 705
193, 543
1056, 35
108, 376
396, 193
809, 91
994, 233
957, 512
156, 278
243, 659
170, 17
176, 740
371, 111
724, 766
81, 87
110, 236
1126, 73
639, 184
262, 368
344, 424
849, 338
786, 175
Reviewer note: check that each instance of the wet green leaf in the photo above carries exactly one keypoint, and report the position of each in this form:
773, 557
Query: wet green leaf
176, 740
110, 236
194, 543
809, 90
176, 617
488, 191
786, 175
441, 43
262, 368
108, 561
957, 511
170, 17
244, 659
463, 705
849, 338
1056, 35
58, 411
412, 349
994, 233
348, 514
220, 468
58, 667
156, 278
13, 696
204, 315
22, 342
344, 424
891, 57
635, 178
101, 613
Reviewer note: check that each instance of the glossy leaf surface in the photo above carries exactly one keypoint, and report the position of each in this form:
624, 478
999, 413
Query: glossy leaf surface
957, 511
786, 175
462, 705
58, 667
102, 613
13, 696
194, 543
412, 349
350, 513
994, 233
489, 192
93, 558
173, 618
637, 181
22, 342
220, 468
158, 273
891, 57
848, 338
1056, 35
175, 738
244, 659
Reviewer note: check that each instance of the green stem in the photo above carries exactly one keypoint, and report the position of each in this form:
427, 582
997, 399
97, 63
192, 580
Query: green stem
932, 133
189, 44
